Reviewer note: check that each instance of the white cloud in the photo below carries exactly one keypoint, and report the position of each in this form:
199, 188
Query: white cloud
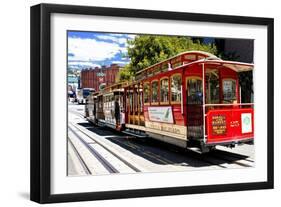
83, 64
122, 40
123, 50
131, 36
116, 39
120, 62
117, 35
91, 49
107, 37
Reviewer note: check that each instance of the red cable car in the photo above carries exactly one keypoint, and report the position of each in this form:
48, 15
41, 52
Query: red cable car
191, 100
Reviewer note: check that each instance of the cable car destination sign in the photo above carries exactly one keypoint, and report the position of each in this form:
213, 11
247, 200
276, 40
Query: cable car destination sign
218, 124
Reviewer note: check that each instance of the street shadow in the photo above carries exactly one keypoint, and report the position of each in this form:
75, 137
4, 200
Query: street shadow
99, 130
162, 153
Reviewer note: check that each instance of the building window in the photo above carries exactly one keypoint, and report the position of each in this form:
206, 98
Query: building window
164, 90
154, 95
176, 83
146, 95
229, 90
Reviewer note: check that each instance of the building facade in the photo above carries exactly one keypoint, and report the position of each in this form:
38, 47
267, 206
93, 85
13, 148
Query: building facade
241, 50
98, 77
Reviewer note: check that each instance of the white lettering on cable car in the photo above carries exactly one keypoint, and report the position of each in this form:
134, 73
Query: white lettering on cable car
161, 114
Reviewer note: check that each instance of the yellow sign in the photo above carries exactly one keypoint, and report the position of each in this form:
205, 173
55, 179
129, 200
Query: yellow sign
218, 124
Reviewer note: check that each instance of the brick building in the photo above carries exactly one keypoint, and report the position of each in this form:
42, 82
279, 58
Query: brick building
93, 78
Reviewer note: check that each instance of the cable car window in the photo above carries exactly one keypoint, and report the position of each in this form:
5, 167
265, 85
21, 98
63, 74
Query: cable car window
146, 95
154, 95
131, 100
135, 98
229, 90
212, 87
176, 88
194, 91
164, 90
127, 100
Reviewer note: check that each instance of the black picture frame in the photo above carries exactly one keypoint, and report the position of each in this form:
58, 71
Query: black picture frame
41, 95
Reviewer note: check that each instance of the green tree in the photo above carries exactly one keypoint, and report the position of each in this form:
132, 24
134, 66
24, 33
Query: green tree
146, 50
124, 74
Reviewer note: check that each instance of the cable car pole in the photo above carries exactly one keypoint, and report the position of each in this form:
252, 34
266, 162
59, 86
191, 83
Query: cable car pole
203, 101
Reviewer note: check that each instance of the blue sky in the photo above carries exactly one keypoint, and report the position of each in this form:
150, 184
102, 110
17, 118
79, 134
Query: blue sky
91, 49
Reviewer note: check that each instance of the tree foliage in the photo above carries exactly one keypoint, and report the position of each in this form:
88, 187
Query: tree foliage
124, 74
146, 50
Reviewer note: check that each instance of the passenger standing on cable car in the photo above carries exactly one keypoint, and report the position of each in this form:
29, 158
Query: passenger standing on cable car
94, 113
117, 112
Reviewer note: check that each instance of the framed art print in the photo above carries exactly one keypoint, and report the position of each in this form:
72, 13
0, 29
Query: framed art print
132, 103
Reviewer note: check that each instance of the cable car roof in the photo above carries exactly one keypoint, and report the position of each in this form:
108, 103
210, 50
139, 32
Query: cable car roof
195, 57
195, 52
233, 65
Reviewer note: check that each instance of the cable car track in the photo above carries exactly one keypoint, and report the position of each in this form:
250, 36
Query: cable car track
82, 162
233, 158
234, 155
127, 163
211, 159
78, 114
107, 165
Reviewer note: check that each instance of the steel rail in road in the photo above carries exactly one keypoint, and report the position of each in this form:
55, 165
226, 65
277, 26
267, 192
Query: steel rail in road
232, 158
235, 155
233, 161
166, 161
84, 165
108, 166
77, 113
223, 156
147, 153
134, 168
